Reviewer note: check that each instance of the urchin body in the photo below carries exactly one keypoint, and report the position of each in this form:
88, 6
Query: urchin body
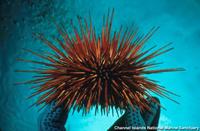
105, 71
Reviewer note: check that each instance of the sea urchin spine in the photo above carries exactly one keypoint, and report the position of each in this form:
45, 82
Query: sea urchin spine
105, 70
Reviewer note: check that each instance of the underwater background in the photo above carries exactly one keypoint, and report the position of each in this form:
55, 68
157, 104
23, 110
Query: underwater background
179, 22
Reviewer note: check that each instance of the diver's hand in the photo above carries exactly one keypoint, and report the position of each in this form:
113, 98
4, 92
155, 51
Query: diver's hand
136, 118
52, 119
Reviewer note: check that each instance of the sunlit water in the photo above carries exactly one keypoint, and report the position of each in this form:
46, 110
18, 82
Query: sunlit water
179, 23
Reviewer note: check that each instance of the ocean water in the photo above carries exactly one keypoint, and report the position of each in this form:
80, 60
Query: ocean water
178, 21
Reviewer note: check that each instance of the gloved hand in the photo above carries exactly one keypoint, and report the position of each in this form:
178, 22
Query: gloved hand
137, 118
54, 119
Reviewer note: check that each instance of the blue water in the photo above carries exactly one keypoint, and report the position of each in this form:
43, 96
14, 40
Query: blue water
179, 23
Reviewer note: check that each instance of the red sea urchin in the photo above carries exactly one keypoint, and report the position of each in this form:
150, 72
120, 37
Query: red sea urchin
105, 70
